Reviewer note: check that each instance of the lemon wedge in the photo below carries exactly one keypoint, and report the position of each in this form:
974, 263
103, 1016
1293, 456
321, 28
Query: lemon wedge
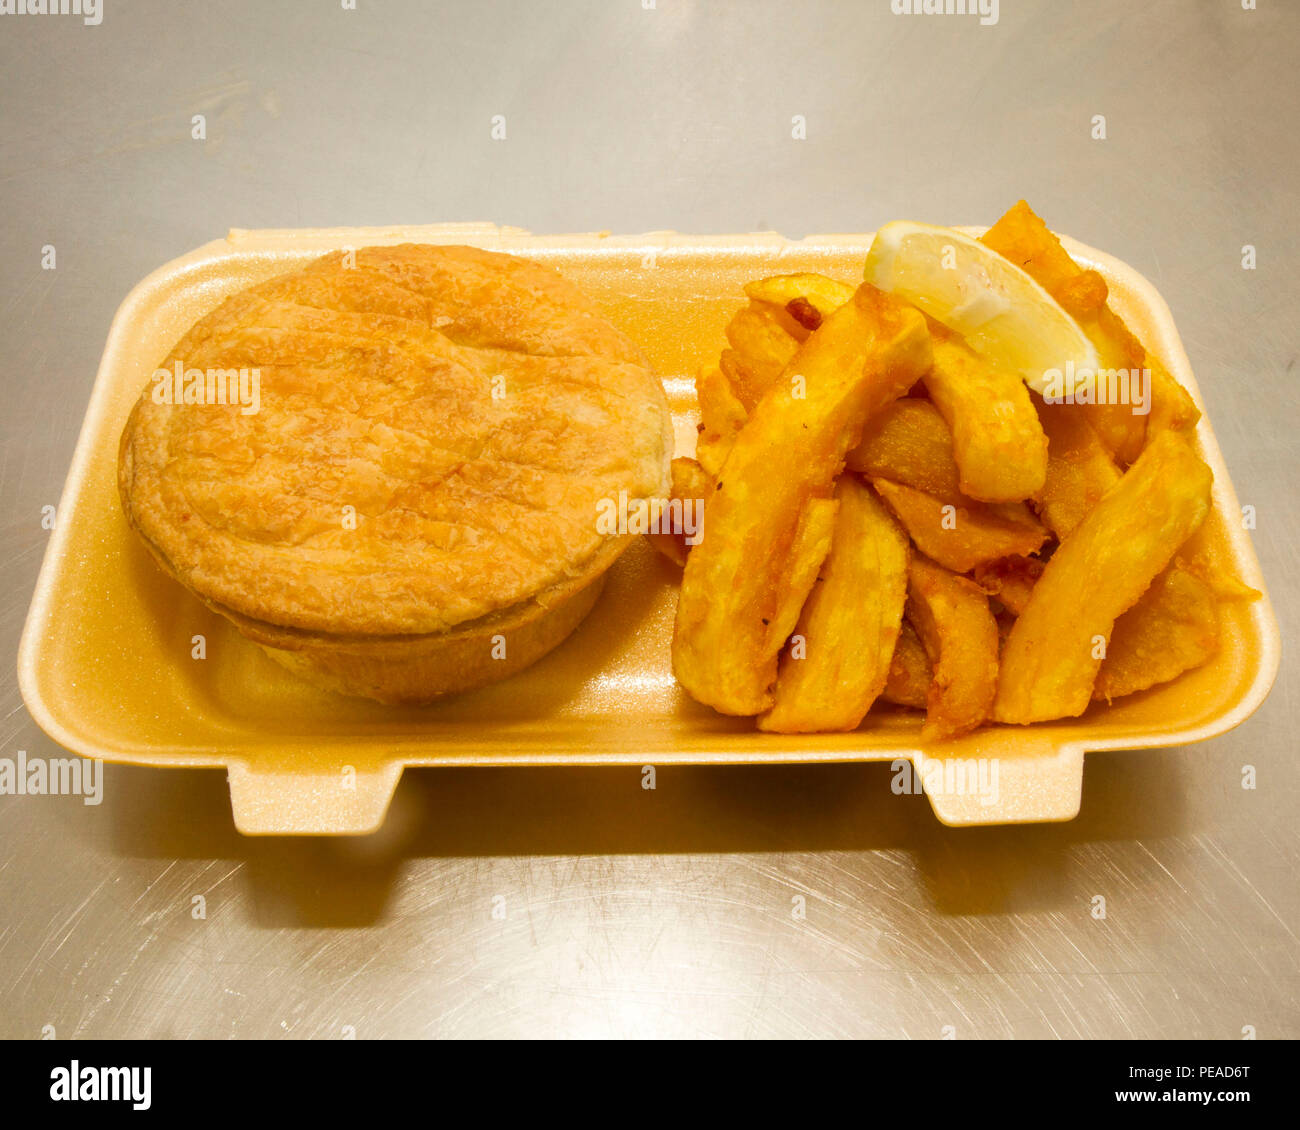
1002, 312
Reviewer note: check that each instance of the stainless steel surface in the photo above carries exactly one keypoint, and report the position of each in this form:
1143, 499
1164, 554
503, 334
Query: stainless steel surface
574, 902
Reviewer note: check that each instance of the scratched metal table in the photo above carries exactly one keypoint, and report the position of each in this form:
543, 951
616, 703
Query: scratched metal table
575, 903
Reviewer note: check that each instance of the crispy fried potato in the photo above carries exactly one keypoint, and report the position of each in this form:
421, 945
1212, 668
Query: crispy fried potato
746, 386
1021, 236
1024, 239
793, 549
998, 442
761, 348
1122, 426
812, 542
1051, 658
909, 443
958, 533
1223, 584
849, 625
865, 355
691, 485
805, 299
1171, 629
721, 418
1079, 468
1083, 295
1172, 406
952, 618
910, 676
1010, 580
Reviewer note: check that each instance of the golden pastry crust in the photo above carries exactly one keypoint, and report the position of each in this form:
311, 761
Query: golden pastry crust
471, 408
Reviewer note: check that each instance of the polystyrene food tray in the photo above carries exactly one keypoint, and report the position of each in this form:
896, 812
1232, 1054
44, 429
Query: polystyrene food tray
106, 664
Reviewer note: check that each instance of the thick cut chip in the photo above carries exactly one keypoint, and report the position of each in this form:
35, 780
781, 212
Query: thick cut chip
1172, 406
866, 354
1120, 388
721, 418
1050, 660
805, 299
1080, 469
1083, 295
1023, 238
846, 633
1010, 581
1164, 405
952, 618
997, 440
691, 485
812, 542
961, 534
1171, 629
909, 443
1223, 584
761, 347
910, 676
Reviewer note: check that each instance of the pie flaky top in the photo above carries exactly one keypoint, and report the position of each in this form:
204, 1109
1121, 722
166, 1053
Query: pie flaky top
435, 431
